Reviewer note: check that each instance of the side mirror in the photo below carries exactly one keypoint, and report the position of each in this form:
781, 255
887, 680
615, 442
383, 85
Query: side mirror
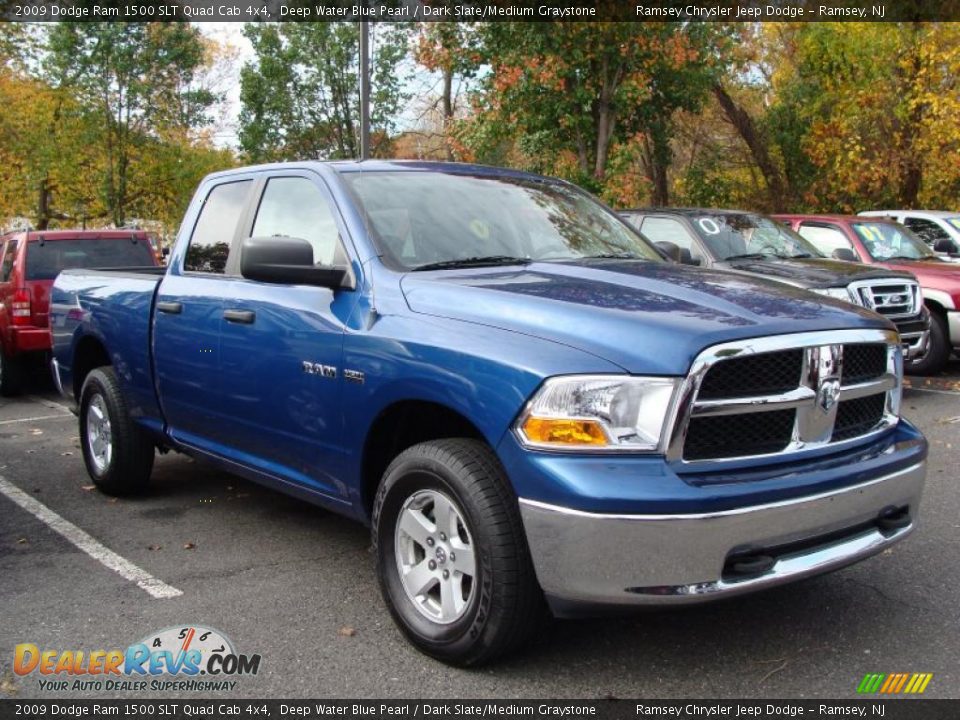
286, 260
165, 252
943, 245
687, 258
671, 250
844, 254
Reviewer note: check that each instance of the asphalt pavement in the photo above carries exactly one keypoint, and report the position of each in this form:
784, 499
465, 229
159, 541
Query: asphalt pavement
296, 585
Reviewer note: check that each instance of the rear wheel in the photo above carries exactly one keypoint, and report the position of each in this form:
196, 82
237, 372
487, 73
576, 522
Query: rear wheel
117, 453
938, 349
452, 558
11, 375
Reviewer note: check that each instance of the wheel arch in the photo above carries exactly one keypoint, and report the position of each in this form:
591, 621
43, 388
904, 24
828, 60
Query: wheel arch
90, 353
401, 425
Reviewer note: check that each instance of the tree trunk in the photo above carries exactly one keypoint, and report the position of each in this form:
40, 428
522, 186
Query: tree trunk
43, 204
777, 190
448, 107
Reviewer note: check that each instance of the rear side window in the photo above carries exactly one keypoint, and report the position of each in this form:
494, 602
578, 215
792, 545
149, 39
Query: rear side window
215, 228
6, 265
46, 259
295, 207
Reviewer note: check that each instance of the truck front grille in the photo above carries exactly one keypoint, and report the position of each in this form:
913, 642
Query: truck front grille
791, 393
733, 436
863, 362
891, 298
858, 417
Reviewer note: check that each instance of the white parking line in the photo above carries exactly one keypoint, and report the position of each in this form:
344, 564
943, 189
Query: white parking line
123, 567
34, 419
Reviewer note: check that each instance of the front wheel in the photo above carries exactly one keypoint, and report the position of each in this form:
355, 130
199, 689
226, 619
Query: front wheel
452, 558
117, 453
938, 349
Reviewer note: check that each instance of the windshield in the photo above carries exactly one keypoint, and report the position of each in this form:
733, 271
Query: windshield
420, 219
46, 259
886, 241
729, 236
955, 221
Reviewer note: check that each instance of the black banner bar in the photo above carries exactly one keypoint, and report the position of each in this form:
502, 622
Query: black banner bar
887, 709
479, 10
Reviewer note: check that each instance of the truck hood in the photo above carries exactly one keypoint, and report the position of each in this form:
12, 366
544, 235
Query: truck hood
646, 317
936, 274
811, 272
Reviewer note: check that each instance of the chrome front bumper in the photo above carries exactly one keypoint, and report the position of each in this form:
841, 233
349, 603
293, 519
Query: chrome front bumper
596, 559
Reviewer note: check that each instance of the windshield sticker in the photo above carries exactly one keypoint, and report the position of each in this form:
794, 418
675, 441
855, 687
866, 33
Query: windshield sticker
709, 226
480, 229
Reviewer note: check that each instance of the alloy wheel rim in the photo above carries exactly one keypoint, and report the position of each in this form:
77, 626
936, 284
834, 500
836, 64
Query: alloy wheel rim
99, 435
435, 556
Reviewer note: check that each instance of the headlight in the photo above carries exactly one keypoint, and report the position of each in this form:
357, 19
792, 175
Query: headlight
598, 412
838, 293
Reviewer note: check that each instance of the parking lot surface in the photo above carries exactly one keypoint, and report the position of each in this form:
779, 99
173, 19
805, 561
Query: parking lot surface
296, 585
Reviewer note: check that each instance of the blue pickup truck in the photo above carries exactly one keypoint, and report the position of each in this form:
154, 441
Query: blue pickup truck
529, 407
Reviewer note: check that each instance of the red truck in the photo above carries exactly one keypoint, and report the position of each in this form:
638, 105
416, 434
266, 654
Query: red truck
881, 241
29, 262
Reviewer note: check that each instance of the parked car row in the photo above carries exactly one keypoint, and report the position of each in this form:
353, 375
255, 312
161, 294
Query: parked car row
867, 260
29, 263
526, 402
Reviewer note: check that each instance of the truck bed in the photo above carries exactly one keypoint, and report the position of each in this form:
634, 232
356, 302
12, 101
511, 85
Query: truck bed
115, 306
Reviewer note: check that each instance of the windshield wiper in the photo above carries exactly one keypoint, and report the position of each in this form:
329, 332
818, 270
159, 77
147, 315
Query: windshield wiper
479, 261
801, 255
899, 257
612, 256
747, 256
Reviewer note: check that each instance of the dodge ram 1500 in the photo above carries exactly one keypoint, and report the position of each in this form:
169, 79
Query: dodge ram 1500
529, 407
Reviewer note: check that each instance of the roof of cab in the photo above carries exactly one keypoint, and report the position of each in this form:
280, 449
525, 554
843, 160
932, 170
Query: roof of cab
357, 166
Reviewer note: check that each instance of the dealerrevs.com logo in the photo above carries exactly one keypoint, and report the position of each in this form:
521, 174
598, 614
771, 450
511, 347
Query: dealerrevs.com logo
174, 659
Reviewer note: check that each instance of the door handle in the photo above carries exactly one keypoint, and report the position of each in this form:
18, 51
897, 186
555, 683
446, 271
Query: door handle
240, 316
171, 308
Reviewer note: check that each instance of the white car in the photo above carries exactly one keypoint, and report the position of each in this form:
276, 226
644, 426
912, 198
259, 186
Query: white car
932, 226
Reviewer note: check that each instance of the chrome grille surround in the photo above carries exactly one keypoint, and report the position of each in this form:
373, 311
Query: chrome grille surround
821, 377
891, 298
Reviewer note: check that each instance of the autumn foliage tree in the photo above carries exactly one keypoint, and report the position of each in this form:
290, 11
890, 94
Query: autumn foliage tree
593, 101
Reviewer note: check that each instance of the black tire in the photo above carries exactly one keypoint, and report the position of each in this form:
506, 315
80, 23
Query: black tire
11, 375
505, 606
126, 470
938, 349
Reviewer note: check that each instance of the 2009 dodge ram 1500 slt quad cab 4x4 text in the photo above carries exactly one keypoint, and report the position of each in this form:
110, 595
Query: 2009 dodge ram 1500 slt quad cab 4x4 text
507, 383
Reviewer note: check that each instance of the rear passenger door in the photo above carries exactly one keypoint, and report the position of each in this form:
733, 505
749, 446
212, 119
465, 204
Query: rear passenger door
281, 345
189, 314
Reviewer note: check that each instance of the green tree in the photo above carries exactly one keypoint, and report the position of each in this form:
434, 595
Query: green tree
585, 99
300, 96
137, 78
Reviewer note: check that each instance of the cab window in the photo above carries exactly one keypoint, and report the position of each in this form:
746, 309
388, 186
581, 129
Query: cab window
295, 207
212, 235
826, 239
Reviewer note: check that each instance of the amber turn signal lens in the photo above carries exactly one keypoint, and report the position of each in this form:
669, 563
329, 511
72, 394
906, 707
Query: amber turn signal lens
558, 431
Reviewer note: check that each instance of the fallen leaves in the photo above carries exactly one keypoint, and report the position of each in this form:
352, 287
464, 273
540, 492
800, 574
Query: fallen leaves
88, 488
189, 546
346, 631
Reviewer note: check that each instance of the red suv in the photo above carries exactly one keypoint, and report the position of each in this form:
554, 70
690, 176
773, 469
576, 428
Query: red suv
29, 262
881, 241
